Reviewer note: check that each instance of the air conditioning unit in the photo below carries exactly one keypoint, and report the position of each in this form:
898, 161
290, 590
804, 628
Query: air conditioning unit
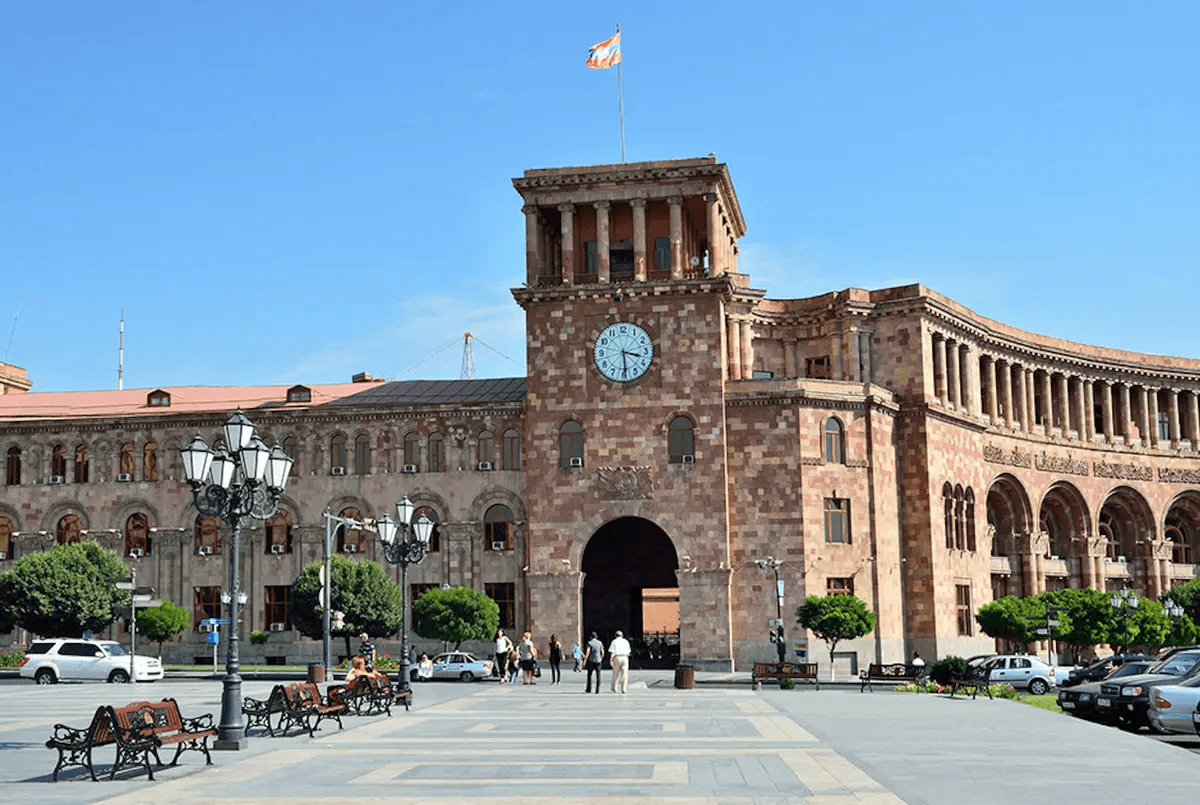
124, 477
337, 470
1120, 558
350, 548
410, 467
56, 479
205, 550
207, 627
497, 546
688, 458
276, 549
1108, 560
276, 627
1054, 557
485, 466
3, 556
137, 553
575, 462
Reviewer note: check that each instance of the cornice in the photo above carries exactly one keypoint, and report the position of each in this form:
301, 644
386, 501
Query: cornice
722, 285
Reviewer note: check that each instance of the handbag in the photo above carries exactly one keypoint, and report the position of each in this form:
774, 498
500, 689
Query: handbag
537, 669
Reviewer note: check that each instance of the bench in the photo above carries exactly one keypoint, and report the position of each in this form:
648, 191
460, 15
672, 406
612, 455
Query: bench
894, 672
806, 671
306, 707
369, 696
975, 680
137, 730
261, 712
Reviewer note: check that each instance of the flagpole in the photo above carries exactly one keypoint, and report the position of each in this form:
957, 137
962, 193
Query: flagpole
621, 103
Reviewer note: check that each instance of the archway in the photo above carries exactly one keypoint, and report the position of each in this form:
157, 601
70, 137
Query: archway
1008, 517
1126, 521
629, 584
1182, 528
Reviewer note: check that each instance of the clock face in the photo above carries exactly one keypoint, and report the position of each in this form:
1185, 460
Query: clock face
623, 352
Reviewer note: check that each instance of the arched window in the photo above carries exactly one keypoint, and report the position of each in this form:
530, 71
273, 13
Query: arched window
510, 455
1176, 533
570, 444
137, 535
69, 528
412, 449
487, 448
351, 540
12, 467
681, 441
150, 462
362, 454
291, 446
497, 528
126, 461
948, 510
834, 452
81, 464
959, 536
337, 452
6, 540
437, 452
207, 534
435, 536
1047, 527
969, 516
58, 461
279, 533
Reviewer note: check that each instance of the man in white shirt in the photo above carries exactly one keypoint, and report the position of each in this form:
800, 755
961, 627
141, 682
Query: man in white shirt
618, 656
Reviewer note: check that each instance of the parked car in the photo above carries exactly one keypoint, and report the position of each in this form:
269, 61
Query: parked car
69, 659
1022, 672
1102, 668
456, 665
1080, 700
1171, 707
1126, 701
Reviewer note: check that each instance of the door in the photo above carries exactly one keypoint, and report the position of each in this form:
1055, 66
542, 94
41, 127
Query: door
1021, 671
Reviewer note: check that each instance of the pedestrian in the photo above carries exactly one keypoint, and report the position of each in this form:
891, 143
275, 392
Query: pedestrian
503, 647
555, 660
425, 668
366, 649
526, 653
916, 660
618, 658
591, 661
577, 654
514, 665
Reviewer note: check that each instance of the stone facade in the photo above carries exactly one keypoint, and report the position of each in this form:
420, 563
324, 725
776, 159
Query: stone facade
891, 443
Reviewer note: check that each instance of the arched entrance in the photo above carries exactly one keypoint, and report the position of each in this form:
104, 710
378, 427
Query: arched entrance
629, 583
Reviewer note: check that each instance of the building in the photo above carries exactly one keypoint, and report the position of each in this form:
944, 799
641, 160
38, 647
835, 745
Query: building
675, 425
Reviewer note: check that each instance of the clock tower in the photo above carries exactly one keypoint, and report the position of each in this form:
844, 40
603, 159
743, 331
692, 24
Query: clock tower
631, 280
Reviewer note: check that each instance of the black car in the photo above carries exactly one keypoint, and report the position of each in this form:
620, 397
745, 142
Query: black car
1100, 669
1125, 701
1080, 699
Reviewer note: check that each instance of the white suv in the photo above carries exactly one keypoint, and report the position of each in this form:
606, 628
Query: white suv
68, 659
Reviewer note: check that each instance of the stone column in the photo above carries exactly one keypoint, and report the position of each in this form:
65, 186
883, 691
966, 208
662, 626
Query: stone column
533, 240
972, 401
1173, 416
939, 367
1010, 417
1152, 399
639, 239
602, 246
1089, 410
1194, 419
835, 357
735, 348
953, 365
676, 205
1022, 399
1106, 410
1030, 395
1063, 402
864, 353
1080, 408
715, 263
1047, 403
747, 350
567, 211
1126, 412
989, 387
789, 357
1143, 419
855, 365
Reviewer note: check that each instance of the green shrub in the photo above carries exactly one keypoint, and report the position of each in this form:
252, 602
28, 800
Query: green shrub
945, 669
258, 638
1004, 691
912, 687
11, 659
787, 684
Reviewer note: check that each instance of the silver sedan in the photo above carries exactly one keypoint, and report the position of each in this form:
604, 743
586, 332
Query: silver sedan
455, 665
1172, 706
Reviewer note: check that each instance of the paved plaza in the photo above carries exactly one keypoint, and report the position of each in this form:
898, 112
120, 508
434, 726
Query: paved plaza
719, 743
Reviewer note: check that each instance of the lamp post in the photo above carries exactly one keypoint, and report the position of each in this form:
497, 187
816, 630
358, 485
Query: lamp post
244, 479
1124, 604
1174, 612
404, 549
327, 582
777, 633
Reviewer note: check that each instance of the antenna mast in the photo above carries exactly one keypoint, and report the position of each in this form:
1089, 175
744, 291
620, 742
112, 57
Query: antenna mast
468, 361
121, 354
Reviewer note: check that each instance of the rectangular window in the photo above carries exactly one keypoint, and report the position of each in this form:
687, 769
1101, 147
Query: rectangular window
415, 591
437, 453
206, 603
837, 521
412, 450
277, 605
662, 254
504, 594
962, 604
511, 456
818, 368
839, 586
591, 257
1164, 426
620, 257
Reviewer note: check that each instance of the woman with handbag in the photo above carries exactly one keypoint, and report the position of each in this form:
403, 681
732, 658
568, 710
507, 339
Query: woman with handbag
555, 660
527, 652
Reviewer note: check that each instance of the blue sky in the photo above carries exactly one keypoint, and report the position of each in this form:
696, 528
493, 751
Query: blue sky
294, 192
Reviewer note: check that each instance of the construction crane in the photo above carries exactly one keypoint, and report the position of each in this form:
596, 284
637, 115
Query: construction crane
468, 356
468, 361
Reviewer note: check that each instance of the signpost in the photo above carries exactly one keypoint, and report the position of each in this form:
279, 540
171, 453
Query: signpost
213, 638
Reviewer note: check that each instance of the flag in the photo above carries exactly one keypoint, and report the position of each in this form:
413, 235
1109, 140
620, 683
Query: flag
605, 54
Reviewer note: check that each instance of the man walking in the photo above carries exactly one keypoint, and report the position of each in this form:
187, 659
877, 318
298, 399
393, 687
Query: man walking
591, 661
618, 656
503, 647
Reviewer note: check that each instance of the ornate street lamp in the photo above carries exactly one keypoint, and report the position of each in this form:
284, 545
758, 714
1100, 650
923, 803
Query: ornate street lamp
1124, 601
777, 634
404, 549
245, 479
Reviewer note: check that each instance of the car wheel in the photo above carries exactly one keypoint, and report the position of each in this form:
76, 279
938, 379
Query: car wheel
467, 676
1039, 686
119, 677
45, 677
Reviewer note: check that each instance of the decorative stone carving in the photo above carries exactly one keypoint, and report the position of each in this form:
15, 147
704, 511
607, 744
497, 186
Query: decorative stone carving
1167, 475
625, 483
1048, 463
1127, 471
1014, 458
812, 461
856, 463
1097, 546
1161, 549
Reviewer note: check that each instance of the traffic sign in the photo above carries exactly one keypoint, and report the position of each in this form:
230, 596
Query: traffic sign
212, 637
215, 621
1043, 631
142, 599
775, 622
1052, 623
124, 585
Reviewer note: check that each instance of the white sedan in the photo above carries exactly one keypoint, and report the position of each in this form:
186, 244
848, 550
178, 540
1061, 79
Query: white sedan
455, 665
1172, 706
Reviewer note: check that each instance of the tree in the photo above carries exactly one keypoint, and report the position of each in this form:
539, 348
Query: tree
835, 618
1187, 595
163, 622
455, 615
1145, 626
369, 600
65, 591
1086, 618
1011, 618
